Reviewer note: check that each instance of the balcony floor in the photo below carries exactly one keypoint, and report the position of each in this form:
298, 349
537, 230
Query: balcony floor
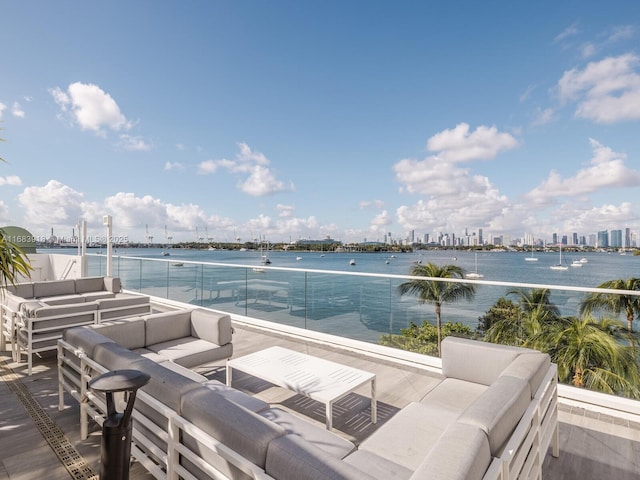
592, 446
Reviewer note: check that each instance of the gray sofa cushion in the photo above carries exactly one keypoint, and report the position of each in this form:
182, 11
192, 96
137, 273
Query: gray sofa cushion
112, 284
54, 288
166, 326
23, 290
126, 305
291, 457
316, 434
63, 299
462, 453
498, 410
166, 385
93, 296
393, 441
212, 326
115, 357
191, 352
454, 394
89, 284
531, 367
128, 332
236, 396
377, 466
240, 429
85, 339
476, 361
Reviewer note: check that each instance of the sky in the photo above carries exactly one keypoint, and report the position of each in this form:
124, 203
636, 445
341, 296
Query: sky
285, 120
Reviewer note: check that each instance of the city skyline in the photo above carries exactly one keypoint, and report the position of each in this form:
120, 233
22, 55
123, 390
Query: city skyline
287, 121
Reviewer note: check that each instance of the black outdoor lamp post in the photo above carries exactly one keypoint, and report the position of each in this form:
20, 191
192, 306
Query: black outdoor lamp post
116, 430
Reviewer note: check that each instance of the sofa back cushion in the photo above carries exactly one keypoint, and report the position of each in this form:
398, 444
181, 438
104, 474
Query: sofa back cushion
85, 339
162, 327
291, 457
89, 284
115, 357
476, 361
128, 332
211, 326
166, 385
531, 367
236, 427
54, 288
498, 410
23, 290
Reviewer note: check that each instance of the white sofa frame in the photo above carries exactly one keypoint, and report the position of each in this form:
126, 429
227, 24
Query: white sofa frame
522, 457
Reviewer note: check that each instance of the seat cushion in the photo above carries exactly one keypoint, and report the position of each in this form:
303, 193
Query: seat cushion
392, 441
462, 453
316, 434
63, 299
291, 457
454, 394
191, 352
377, 466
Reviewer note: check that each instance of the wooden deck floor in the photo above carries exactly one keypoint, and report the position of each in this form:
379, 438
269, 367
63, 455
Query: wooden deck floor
592, 446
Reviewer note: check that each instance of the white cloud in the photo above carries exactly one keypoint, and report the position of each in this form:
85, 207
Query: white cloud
381, 220
542, 117
133, 143
17, 110
2, 108
207, 167
258, 179
460, 145
51, 205
286, 211
607, 91
91, 107
4, 213
173, 166
607, 169
568, 32
13, 180
371, 204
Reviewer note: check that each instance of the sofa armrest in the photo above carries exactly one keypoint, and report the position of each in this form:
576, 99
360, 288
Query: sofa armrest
212, 326
112, 284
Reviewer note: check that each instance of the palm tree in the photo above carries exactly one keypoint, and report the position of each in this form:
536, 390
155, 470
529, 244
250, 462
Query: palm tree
615, 302
595, 354
13, 262
437, 292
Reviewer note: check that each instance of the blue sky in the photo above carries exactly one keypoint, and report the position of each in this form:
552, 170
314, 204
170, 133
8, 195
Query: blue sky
289, 120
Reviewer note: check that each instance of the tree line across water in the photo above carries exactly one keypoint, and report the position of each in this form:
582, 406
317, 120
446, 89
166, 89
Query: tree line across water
593, 349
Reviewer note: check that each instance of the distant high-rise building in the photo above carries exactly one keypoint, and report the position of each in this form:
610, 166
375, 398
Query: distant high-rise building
480, 239
603, 239
592, 239
627, 238
564, 240
615, 240
574, 240
554, 238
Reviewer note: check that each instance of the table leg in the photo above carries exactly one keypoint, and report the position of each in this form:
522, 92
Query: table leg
329, 413
374, 403
228, 375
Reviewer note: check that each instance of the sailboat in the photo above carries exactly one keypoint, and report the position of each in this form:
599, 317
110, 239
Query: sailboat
559, 265
531, 258
475, 273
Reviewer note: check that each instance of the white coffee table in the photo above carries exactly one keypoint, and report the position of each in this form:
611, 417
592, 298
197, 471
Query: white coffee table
316, 378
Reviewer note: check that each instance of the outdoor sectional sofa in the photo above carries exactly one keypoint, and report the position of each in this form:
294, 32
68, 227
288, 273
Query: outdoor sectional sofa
493, 416
33, 315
